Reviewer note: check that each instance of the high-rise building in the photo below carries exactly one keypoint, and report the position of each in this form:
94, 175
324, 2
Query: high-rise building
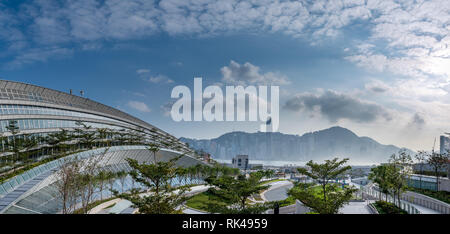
444, 144
241, 162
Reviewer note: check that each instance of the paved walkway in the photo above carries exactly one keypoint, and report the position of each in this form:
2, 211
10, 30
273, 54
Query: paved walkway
124, 207
277, 191
355, 208
192, 211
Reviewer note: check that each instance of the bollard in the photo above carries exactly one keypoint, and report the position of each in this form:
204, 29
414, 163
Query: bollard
276, 208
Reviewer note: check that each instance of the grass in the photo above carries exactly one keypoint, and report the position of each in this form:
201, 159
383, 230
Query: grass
439, 195
388, 208
270, 181
94, 204
287, 202
200, 201
257, 197
318, 190
110, 206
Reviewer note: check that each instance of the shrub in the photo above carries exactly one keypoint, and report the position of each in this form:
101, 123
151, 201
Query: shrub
388, 208
440, 195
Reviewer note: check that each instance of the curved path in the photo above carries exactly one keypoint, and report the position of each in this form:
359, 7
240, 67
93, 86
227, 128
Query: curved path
277, 191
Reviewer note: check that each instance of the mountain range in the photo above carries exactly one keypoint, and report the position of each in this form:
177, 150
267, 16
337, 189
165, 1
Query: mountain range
319, 145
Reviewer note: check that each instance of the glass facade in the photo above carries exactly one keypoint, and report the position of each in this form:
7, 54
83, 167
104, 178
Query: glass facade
14, 94
37, 110
42, 118
39, 115
29, 124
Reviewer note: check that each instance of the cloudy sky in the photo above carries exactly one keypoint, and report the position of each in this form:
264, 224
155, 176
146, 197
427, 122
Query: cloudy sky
380, 68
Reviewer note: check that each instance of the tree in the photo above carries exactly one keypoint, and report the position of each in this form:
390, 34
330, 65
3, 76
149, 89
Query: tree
14, 130
330, 170
86, 181
111, 178
122, 177
3, 145
66, 183
332, 198
236, 192
380, 175
59, 139
102, 136
421, 157
85, 134
161, 196
21, 146
102, 176
25, 144
400, 173
437, 161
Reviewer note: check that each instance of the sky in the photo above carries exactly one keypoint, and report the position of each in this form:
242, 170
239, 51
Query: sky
380, 68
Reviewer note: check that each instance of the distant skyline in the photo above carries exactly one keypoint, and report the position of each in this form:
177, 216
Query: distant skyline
380, 68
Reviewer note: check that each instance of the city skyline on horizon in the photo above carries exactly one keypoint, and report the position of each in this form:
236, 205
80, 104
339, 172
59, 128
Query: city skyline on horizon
378, 68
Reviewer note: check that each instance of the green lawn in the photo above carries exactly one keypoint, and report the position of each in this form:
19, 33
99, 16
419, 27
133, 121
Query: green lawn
287, 202
318, 190
270, 181
199, 201
441, 195
94, 204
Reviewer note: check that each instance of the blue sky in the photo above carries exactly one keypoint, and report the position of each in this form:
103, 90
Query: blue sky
379, 68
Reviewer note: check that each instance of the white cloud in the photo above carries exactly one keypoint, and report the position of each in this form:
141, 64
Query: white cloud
248, 73
142, 71
405, 38
79, 23
335, 106
160, 79
377, 86
140, 106
155, 79
38, 55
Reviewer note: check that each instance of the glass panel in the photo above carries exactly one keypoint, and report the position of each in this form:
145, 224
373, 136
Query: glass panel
7, 187
26, 176
13, 182
20, 179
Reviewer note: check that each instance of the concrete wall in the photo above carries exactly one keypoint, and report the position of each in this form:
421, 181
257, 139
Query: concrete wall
300, 208
425, 201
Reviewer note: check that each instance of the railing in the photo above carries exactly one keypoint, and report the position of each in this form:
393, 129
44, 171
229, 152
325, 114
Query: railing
427, 202
385, 197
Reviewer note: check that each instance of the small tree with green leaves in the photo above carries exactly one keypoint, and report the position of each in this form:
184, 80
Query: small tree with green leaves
235, 192
161, 196
438, 162
3, 146
331, 197
86, 181
85, 134
421, 158
102, 177
59, 140
13, 128
122, 175
401, 172
380, 175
